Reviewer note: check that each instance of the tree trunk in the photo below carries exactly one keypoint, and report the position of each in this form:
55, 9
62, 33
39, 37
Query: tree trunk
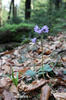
57, 3
27, 9
11, 5
0, 12
13, 8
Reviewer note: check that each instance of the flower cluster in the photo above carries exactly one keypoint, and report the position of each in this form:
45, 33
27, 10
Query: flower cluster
44, 29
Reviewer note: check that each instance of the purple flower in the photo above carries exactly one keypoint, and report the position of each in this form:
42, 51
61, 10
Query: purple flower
45, 29
37, 29
34, 40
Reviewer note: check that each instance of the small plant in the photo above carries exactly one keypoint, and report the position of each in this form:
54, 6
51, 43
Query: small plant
14, 79
44, 30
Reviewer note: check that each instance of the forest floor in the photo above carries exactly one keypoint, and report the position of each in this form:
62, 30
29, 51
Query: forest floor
23, 78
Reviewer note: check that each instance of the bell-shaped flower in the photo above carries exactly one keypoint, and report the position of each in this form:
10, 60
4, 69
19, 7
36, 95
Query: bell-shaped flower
34, 40
45, 29
37, 29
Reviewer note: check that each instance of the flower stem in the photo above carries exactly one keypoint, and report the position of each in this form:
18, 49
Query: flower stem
42, 53
42, 49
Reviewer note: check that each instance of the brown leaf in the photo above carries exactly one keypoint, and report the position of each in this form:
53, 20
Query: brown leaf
57, 82
22, 71
17, 63
9, 61
50, 38
21, 86
6, 69
1, 89
31, 87
6, 52
4, 84
35, 85
47, 52
63, 59
45, 93
14, 90
58, 45
39, 51
8, 96
60, 96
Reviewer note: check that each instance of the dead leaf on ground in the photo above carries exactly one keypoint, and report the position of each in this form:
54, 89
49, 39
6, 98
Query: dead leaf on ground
57, 82
60, 96
22, 71
17, 63
47, 52
10, 62
6, 52
51, 38
35, 85
39, 51
45, 93
4, 84
6, 69
58, 45
63, 59
14, 90
21, 86
8, 95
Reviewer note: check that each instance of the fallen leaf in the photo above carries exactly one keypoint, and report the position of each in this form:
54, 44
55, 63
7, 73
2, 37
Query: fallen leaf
45, 93
50, 38
9, 61
6, 52
63, 59
60, 96
35, 85
8, 96
21, 86
58, 45
4, 84
39, 51
47, 52
14, 90
23, 70
6, 69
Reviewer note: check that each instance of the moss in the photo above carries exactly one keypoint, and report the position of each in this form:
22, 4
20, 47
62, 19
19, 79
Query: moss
15, 32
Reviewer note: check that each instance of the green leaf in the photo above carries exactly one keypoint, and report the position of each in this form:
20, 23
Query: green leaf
30, 73
47, 68
41, 73
44, 69
64, 72
22, 59
15, 80
12, 73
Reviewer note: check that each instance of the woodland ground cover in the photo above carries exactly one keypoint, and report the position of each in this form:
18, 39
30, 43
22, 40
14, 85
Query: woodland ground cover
21, 75
33, 50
